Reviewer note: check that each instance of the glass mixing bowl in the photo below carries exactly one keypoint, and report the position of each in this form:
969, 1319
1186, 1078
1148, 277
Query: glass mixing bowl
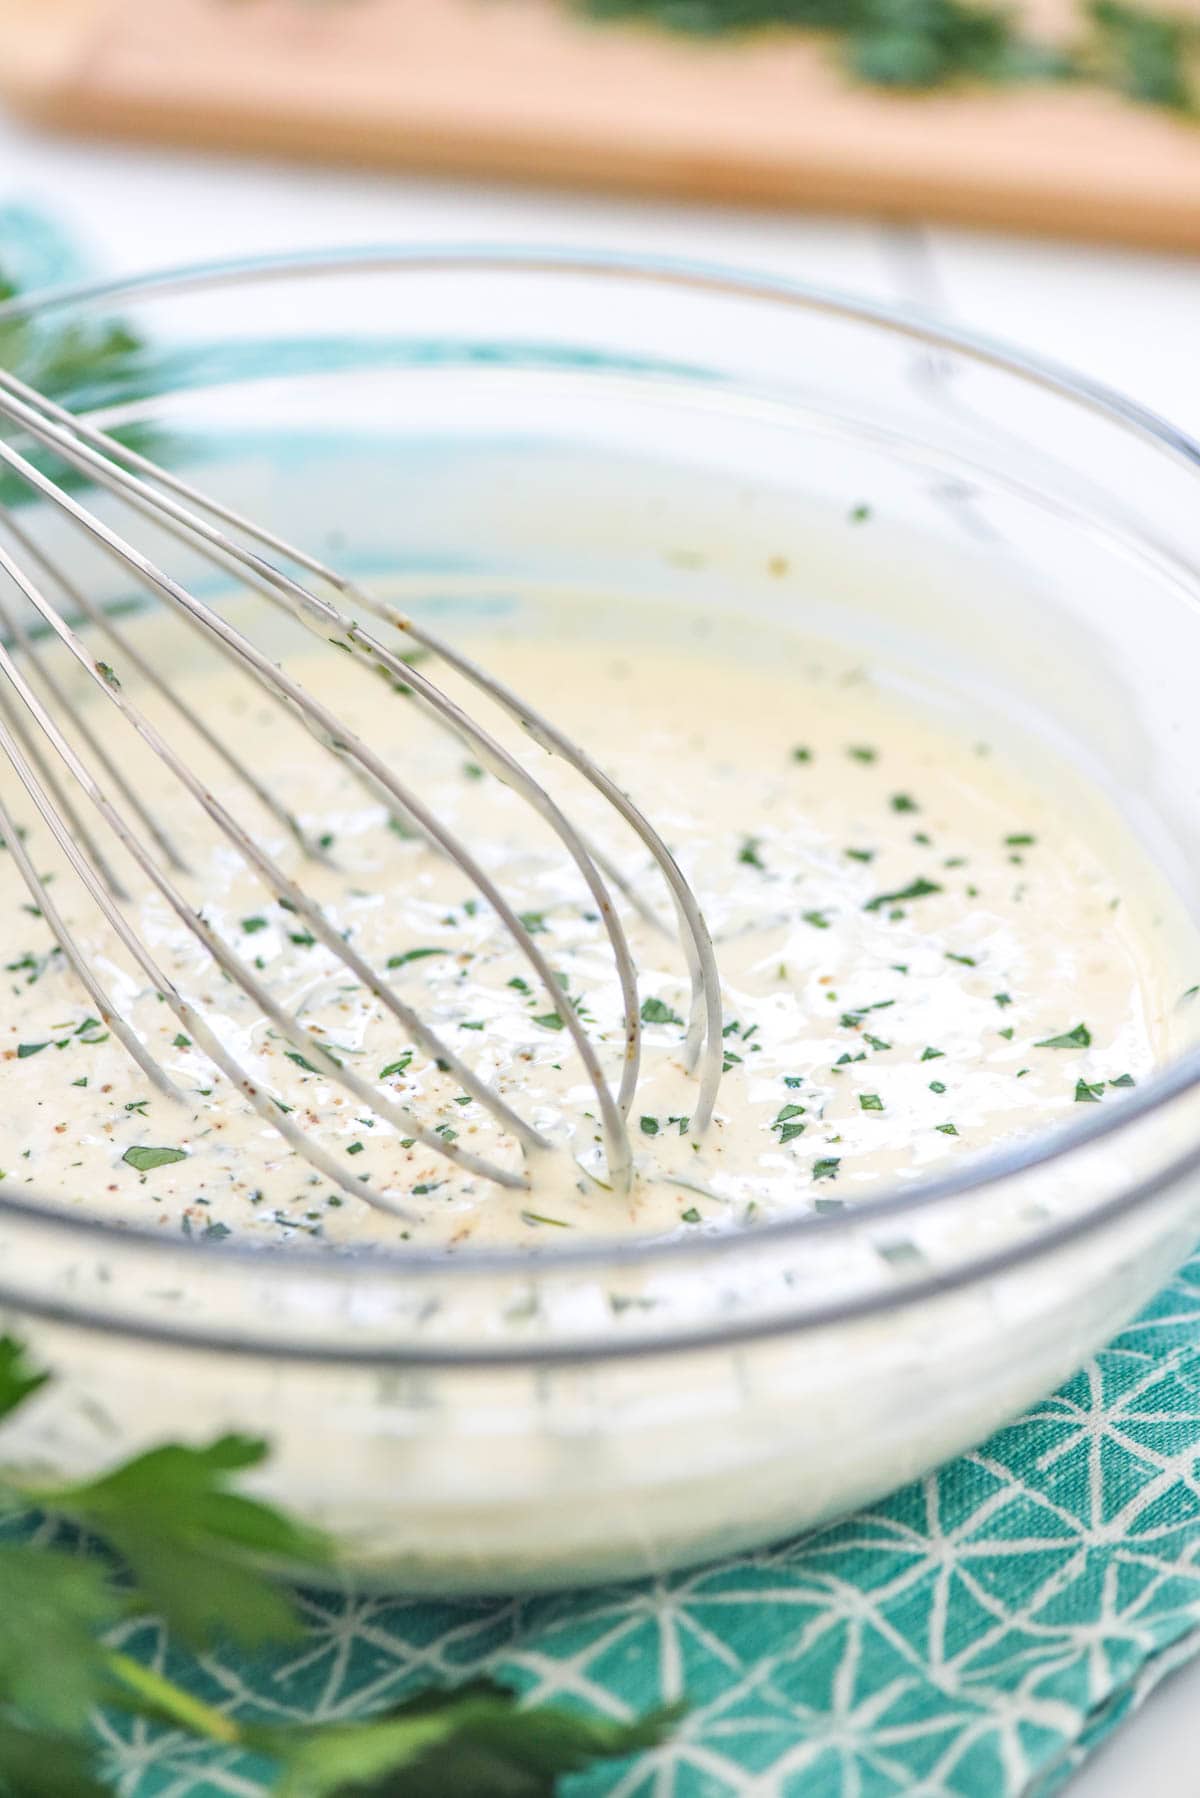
481, 427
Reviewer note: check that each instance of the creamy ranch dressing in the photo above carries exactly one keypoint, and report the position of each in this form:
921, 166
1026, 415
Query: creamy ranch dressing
901, 920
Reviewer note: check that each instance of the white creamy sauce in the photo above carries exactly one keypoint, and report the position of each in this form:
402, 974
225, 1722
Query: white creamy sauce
903, 923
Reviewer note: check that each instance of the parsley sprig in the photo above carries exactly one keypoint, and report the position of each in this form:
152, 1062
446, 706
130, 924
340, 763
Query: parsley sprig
186, 1545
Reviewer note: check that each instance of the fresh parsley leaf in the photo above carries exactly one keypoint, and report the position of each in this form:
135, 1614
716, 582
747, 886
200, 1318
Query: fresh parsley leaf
475, 1742
191, 1542
870, 1102
18, 1379
40, 1764
54, 1608
1088, 1095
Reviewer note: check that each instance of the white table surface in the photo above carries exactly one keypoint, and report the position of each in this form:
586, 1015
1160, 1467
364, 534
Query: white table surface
1128, 318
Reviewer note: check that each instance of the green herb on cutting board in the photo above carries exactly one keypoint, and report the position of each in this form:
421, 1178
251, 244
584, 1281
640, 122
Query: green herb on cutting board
187, 1546
925, 44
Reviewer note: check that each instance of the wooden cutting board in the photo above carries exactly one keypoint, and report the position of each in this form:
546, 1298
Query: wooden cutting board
521, 88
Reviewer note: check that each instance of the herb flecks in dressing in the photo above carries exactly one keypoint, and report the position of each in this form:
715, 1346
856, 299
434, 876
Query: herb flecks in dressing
846, 970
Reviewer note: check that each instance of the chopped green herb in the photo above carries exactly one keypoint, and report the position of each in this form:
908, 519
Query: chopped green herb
901, 1254
538, 1217
657, 1011
946, 1129
354, 1148
649, 1126
691, 1216
861, 855
181, 1041
802, 755
859, 514
397, 1067
928, 1054
1088, 1095
1002, 999
916, 889
748, 853
966, 961
400, 961
250, 925
861, 752
817, 919
472, 770
1020, 841
875, 1042
793, 1080
1123, 1080
904, 802
1079, 1038
145, 1159
549, 1020
827, 1167
24, 1050
937, 1086
870, 1102
850, 1020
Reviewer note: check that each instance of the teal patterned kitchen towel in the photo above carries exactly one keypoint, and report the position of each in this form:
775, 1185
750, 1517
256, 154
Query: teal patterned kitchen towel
974, 1636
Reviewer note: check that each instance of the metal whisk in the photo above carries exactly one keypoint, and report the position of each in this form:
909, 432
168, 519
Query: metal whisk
52, 766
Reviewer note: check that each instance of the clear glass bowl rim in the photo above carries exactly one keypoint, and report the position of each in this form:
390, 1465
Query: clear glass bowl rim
753, 286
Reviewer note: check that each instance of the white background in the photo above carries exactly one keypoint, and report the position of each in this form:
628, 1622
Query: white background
1130, 319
